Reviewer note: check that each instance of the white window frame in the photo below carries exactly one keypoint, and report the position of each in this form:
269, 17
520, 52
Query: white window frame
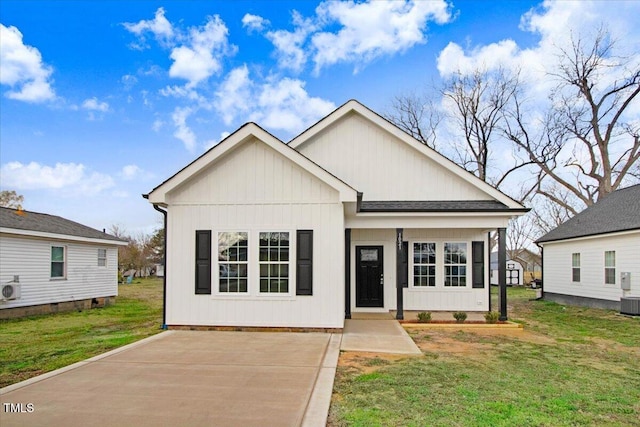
609, 267
465, 265
216, 275
64, 263
413, 265
575, 267
259, 263
102, 260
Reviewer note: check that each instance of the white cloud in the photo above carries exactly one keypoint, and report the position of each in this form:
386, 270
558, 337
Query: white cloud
131, 172
286, 105
183, 132
93, 104
71, 178
129, 81
290, 45
254, 22
159, 26
157, 125
234, 94
22, 68
199, 58
373, 29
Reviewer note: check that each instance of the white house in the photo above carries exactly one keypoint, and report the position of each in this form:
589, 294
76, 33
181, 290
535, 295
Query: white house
515, 271
50, 264
594, 258
352, 215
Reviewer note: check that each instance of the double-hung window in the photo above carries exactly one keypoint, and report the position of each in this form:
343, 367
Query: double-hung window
424, 264
575, 267
102, 257
273, 252
58, 258
233, 255
610, 267
455, 264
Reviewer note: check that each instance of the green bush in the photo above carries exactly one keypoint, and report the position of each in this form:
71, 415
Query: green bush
424, 317
492, 316
460, 316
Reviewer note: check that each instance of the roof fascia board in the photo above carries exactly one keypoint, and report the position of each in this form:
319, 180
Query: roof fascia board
157, 195
364, 111
591, 236
55, 236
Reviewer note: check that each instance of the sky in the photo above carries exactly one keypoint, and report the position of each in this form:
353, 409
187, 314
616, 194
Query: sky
101, 101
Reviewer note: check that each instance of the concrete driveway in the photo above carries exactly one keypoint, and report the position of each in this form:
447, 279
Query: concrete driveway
187, 378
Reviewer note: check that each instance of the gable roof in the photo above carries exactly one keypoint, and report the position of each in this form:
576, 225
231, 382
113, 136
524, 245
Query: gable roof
354, 106
245, 132
619, 211
45, 225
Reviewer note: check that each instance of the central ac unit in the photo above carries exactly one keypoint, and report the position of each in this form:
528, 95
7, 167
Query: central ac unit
10, 291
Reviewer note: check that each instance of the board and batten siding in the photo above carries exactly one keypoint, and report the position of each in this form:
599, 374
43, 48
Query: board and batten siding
382, 167
557, 266
435, 299
255, 189
30, 259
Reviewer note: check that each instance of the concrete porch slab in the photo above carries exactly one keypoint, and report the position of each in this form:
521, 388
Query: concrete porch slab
379, 336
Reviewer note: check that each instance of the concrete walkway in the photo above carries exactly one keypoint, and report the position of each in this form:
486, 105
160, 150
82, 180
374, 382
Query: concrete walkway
379, 336
187, 378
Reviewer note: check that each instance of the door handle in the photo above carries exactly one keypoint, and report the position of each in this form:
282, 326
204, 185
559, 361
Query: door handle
382, 279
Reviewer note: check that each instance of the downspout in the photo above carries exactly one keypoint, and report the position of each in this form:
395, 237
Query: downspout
541, 271
164, 265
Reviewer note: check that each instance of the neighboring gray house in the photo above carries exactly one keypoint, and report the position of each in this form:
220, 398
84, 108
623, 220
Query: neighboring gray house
593, 259
50, 264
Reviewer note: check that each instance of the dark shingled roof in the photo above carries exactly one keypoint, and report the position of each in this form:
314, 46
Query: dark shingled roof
619, 211
34, 221
435, 206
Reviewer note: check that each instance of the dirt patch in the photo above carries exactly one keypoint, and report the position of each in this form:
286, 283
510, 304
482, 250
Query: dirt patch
367, 362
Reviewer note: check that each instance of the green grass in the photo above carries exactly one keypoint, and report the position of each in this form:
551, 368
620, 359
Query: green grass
572, 366
35, 345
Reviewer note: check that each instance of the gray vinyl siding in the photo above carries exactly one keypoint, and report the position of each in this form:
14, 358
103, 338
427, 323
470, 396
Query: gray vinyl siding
30, 259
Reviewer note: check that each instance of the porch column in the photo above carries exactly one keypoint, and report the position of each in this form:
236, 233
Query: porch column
347, 273
399, 274
502, 271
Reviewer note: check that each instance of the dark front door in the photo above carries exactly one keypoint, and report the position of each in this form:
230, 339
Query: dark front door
369, 277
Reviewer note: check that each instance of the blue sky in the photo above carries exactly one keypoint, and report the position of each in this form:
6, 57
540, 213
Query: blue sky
103, 100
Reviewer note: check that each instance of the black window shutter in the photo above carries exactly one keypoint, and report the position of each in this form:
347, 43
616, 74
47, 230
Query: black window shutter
404, 266
203, 261
477, 261
304, 262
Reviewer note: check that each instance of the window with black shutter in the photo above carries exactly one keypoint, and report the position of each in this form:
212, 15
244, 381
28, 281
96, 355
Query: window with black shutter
203, 262
304, 262
477, 260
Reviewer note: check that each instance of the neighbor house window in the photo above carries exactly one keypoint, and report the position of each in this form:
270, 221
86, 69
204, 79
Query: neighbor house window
274, 262
575, 267
610, 267
233, 250
455, 264
424, 264
58, 262
102, 257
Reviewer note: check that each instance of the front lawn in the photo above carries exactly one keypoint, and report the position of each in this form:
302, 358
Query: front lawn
570, 366
35, 345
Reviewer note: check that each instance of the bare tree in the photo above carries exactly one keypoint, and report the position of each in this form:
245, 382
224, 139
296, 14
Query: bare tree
11, 199
586, 147
417, 115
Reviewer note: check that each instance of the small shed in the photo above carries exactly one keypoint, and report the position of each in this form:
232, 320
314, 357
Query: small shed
515, 271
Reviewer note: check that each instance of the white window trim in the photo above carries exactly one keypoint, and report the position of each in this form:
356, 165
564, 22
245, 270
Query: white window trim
106, 258
604, 278
467, 274
440, 267
64, 262
253, 265
579, 267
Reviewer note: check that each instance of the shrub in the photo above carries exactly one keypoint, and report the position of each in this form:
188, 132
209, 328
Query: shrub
460, 316
424, 317
492, 316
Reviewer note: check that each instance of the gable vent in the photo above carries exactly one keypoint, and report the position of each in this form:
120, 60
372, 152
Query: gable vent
630, 305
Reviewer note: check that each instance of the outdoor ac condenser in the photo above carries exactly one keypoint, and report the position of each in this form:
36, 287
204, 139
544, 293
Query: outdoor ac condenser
10, 291
630, 305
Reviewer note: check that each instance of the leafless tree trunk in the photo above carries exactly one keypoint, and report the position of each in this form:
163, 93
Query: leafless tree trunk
586, 147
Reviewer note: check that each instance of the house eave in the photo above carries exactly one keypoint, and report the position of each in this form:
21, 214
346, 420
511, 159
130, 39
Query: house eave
59, 237
589, 236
